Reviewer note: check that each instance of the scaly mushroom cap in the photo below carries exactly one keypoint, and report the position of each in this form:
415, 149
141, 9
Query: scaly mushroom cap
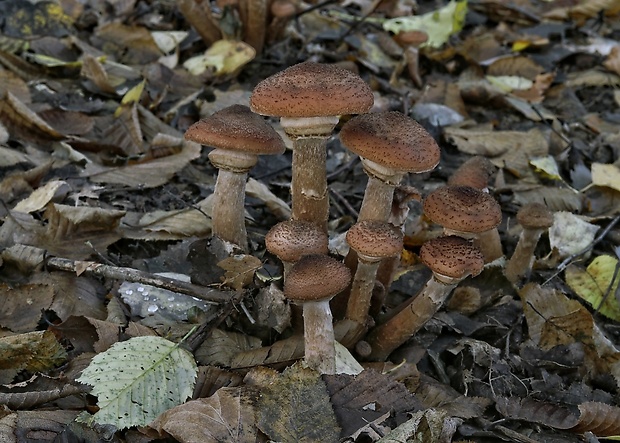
292, 239
535, 216
236, 128
475, 173
316, 278
452, 257
375, 239
312, 90
392, 140
463, 209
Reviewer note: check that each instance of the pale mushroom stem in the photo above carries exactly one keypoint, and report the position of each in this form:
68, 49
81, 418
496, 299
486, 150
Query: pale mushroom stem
377, 203
309, 181
256, 24
490, 244
319, 346
388, 336
228, 215
361, 291
521, 261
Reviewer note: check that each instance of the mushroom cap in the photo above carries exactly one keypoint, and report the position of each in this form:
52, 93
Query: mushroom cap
535, 216
236, 128
411, 38
312, 90
452, 256
375, 239
463, 209
475, 172
292, 239
316, 277
392, 140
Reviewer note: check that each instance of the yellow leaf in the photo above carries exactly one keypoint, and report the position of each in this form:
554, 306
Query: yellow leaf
547, 166
223, 57
520, 45
594, 283
606, 175
132, 96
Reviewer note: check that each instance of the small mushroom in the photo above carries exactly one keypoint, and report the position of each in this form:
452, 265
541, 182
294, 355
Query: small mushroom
534, 218
390, 144
410, 41
238, 136
452, 259
292, 239
469, 213
309, 98
373, 240
475, 173
312, 282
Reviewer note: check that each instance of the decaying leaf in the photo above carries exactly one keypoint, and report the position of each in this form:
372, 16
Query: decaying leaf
240, 270
570, 234
428, 425
596, 285
21, 306
224, 57
606, 175
223, 346
42, 196
229, 415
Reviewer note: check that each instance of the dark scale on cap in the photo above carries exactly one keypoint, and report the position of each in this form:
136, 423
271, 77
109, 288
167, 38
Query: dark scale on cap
452, 256
239, 129
375, 238
391, 139
312, 90
315, 278
462, 208
292, 239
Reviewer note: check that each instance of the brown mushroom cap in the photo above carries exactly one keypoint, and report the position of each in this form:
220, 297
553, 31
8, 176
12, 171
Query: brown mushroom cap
535, 216
463, 209
312, 90
411, 38
375, 239
236, 128
452, 257
292, 239
391, 139
316, 278
475, 172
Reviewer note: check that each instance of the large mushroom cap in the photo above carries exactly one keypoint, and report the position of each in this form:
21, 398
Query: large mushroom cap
375, 238
312, 90
239, 129
292, 239
316, 278
463, 209
535, 216
391, 139
452, 257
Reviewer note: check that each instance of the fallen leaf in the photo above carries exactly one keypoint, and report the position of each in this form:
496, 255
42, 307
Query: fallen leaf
606, 175
224, 57
570, 234
240, 270
596, 285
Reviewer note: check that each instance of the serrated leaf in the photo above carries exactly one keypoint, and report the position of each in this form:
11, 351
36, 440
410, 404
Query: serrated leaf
138, 379
593, 283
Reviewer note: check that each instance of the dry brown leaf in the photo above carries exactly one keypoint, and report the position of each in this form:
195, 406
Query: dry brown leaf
42, 196
277, 206
601, 419
223, 346
20, 183
88, 334
150, 174
273, 310
511, 150
211, 378
134, 45
517, 65
584, 9
592, 77
612, 62
240, 270
23, 123
93, 70
285, 350
229, 415
537, 412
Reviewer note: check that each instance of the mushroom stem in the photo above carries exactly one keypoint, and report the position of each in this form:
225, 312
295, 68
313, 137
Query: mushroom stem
309, 181
256, 24
521, 261
228, 215
361, 292
377, 203
398, 329
490, 244
319, 347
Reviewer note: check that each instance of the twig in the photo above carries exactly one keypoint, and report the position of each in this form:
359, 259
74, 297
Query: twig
572, 257
135, 276
344, 202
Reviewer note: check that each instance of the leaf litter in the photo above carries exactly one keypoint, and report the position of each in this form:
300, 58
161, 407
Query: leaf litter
100, 193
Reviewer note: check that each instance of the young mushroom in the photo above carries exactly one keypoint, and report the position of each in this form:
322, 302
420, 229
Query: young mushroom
535, 218
474, 173
451, 259
390, 145
309, 99
373, 240
469, 213
238, 136
312, 282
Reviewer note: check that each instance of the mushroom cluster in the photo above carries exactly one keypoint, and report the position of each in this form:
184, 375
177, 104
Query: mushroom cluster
309, 99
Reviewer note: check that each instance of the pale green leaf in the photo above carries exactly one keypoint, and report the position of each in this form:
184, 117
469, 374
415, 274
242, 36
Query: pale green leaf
439, 24
595, 282
138, 379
